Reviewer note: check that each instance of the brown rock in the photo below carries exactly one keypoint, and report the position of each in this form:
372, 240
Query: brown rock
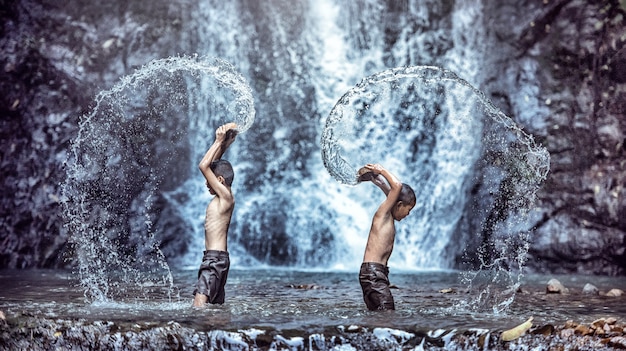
598, 323
615, 329
545, 330
601, 331
516, 332
611, 320
583, 330
615, 293
481, 341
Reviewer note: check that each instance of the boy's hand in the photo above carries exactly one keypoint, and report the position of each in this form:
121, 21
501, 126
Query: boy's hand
364, 175
230, 135
226, 132
374, 168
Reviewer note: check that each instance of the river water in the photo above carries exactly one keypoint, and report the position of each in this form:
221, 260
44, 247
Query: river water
310, 301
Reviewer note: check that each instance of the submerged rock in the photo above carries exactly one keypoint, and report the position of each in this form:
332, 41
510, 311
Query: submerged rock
555, 287
590, 289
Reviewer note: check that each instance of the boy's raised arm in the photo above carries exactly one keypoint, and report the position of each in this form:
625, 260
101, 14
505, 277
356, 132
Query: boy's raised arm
380, 182
224, 137
392, 189
215, 152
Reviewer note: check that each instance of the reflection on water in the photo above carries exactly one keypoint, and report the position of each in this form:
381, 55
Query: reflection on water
311, 301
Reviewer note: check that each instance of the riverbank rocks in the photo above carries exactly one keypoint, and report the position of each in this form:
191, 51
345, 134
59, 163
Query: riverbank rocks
555, 287
34, 333
603, 327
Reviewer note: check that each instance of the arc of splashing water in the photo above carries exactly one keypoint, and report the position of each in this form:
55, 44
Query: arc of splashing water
344, 172
77, 208
221, 70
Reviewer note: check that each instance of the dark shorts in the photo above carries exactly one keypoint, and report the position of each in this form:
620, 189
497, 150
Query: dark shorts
212, 275
375, 285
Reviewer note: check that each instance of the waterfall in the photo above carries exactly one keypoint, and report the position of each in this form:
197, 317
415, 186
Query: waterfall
300, 60
330, 80
299, 216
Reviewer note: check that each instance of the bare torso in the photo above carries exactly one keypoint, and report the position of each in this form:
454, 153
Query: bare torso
380, 240
216, 225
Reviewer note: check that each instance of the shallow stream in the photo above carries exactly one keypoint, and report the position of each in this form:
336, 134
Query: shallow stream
310, 301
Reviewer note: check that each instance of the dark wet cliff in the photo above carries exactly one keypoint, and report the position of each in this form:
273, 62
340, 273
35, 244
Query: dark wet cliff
558, 69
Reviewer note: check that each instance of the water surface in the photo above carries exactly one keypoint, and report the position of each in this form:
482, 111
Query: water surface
308, 301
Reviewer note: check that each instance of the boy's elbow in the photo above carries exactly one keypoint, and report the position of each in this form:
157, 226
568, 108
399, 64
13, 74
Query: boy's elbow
396, 184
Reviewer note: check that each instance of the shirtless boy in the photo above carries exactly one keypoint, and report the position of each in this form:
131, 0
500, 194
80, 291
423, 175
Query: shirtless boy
219, 175
399, 202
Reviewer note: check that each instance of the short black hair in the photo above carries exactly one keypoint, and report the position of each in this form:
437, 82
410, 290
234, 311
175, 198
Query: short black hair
225, 169
407, 195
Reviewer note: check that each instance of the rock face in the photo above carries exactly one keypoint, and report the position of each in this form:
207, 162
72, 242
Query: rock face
573, 52
567, 57
580, 48
55, 60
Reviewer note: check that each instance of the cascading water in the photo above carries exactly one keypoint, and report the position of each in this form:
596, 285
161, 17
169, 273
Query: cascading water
132, 148
299, 61
296, 215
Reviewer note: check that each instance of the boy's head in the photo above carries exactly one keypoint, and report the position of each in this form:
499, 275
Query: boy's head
406, 202
223, 170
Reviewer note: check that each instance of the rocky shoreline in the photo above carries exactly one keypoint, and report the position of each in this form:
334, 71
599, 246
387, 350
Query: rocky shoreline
21, 332
29, 330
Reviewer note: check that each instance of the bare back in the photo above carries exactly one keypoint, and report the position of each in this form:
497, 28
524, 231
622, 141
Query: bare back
216, 223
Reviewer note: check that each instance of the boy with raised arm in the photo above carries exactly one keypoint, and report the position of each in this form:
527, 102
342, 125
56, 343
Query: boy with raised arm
400, 200
219, 175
